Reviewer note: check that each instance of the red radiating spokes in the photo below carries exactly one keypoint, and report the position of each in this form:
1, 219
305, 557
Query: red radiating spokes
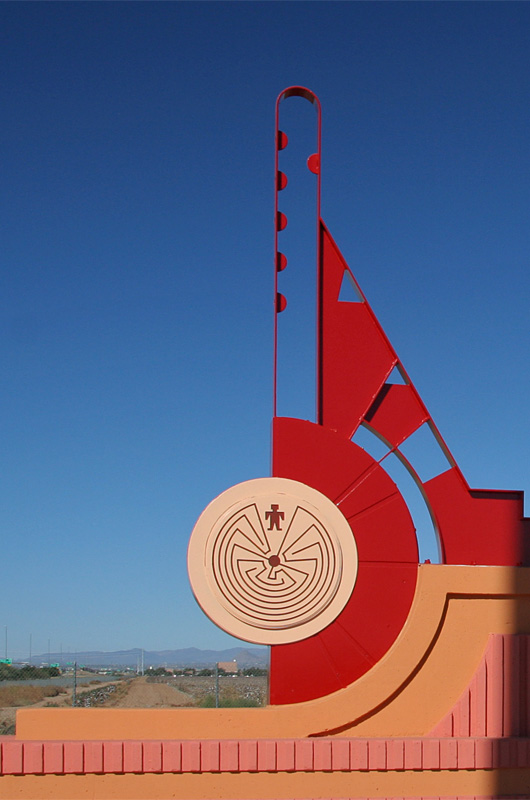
388, 558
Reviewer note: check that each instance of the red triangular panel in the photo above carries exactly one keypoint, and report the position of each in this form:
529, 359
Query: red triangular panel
356, 355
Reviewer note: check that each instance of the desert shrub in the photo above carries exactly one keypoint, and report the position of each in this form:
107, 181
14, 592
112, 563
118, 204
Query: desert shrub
7, 728
26, 695
229, 702
27, 673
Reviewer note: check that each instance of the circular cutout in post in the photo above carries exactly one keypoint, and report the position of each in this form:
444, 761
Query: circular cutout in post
272, 561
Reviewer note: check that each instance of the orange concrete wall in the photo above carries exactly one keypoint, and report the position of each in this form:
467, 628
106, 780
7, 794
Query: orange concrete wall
406, 694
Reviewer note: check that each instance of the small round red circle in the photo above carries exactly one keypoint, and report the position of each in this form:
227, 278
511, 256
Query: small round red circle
274, 561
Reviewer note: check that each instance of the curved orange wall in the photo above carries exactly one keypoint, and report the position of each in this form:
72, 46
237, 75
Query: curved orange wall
406, 694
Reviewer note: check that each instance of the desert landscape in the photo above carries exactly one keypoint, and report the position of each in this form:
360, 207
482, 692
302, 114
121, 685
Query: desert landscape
134, 692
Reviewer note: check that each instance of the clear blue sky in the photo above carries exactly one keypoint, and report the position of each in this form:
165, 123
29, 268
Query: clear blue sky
136, 264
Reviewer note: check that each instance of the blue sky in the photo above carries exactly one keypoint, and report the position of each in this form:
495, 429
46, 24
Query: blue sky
136, 267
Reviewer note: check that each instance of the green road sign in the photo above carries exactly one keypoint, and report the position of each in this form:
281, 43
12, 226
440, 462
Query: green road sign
6, 661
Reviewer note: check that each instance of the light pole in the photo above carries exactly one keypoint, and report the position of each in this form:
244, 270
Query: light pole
216, 684
74, 692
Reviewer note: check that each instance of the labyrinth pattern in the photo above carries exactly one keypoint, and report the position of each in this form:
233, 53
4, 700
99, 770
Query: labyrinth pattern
272, 560
279, 578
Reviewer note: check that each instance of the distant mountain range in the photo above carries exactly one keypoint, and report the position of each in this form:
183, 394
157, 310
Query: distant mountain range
186, 657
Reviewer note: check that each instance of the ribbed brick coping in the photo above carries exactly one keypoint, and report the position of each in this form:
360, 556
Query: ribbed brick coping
263, 755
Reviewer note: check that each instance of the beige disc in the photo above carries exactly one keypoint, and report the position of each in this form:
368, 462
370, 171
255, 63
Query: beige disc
272, 561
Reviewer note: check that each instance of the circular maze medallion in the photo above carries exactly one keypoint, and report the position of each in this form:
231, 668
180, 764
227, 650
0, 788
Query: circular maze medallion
272, 561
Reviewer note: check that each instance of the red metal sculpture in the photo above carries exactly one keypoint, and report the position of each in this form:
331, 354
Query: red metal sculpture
355, 365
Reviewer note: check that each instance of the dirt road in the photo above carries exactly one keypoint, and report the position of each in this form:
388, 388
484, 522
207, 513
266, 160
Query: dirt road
141, 694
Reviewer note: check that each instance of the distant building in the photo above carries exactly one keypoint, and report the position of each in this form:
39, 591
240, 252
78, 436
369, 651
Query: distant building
228, 666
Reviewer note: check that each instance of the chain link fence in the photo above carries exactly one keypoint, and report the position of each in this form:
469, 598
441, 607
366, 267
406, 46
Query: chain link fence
66, 683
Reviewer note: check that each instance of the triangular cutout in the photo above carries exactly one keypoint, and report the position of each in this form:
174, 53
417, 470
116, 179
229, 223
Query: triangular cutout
396, 377
349, 292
